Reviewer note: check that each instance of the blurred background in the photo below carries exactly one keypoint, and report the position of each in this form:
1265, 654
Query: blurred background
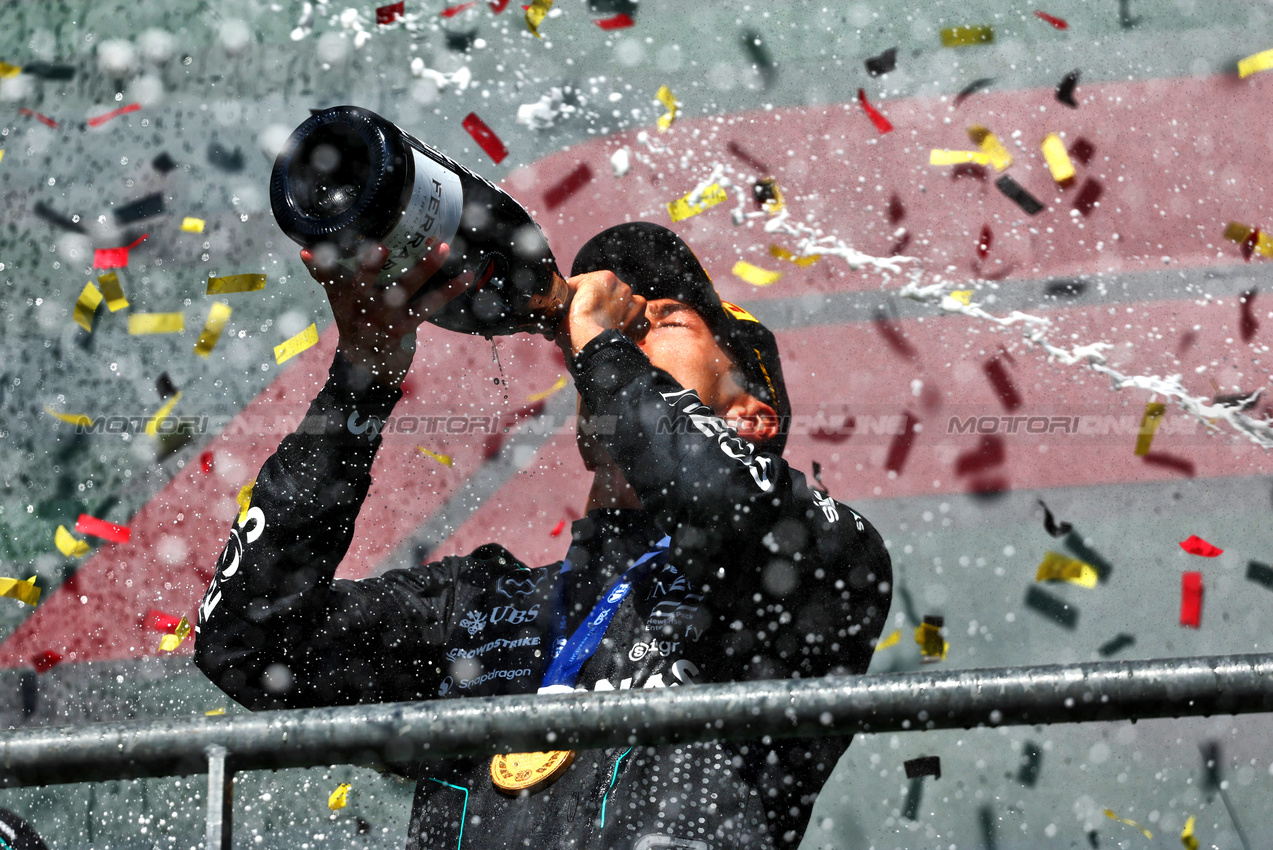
154, 125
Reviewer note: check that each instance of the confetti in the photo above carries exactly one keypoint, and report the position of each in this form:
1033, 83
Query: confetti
568, 186
1017, 193
683, 208
1059, 23
205, 462
984, 241
1052, 607
147, 207
1057, 158
103, 529
972, 88
53, 217
617, 22
152, 426
211, 333
999, 378
557, 387
448, 12
938, 156
1154, 412
963, 296
114, 113
882, 64
8, 72
115, 258
1195, 545
156, 323
68, 545
1248, 324
305, 339
170, 642
69, 418
1051, 526
1031, 762
1186, 835
244, 500
923, 766
755, 275
158, 621
881, 123
768, 194
1255, 63
931, 644
991, 146
46, 661
498, 6
900, 447
386, 15
1088, 196
1065, 89
535, 13
45, 71
485, 136
669, 101
192, 225
778, 252
990, 452
1057, 567
892, 640
164, 386
1110, 814
86, 305
1115, 644
43, 119
163, 163
113, 291
445, 460
216, 712
967, 36
235, 283
1177, 464
24, 591
558, 529
1252, 240
339, 798
1261, 574
754, 44
893, 335
738, 151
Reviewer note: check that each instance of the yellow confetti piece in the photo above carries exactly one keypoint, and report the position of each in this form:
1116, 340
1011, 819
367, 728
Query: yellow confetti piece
152, 427
68, 545
113, 291
1236, 231
892, 640
156, 323
307, 338
216, 712
755, 275
23, 591
1058, 159
69, 418
217, 317
339, 798
86, 305
1, 153
931, 643
8, 72
937, 156
174, 640
963, 296
990, 146
669, 101
1154, 412
710, 197
1186, 835
1057, 567
244, 500
1110, 814
535, 15
235, 283
781, 253
967, 36
553, 390
192, 225
445, 460
1255, 63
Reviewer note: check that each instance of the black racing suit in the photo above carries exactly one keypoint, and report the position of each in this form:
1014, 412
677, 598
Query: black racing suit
767, 578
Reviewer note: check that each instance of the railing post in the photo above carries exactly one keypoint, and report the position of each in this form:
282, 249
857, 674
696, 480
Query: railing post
220, 799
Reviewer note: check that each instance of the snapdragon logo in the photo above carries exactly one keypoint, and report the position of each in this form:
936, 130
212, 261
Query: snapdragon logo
466, 684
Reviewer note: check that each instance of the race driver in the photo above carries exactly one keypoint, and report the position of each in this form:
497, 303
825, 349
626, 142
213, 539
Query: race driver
703, 556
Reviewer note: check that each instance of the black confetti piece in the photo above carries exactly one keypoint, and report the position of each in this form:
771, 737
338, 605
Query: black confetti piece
30, 686
1051, 526
908, 603
614, 7
1242, 401
765, 191
1125, 19
1210, 768
972, 88
225, 159
1052, 607
461, 42
1065, 89
1065, 288
986, 820
147, 207
1118, 643
1261, 574
1093, 839
56, 219
911, 811
165, 387
754, 44
935, 620
882, 64
1031, 761
1074, 542
46, 71
163, 163
923, 766
1018, 194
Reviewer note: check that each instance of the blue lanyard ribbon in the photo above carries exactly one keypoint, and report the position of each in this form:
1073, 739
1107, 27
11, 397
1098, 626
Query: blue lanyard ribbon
569, 654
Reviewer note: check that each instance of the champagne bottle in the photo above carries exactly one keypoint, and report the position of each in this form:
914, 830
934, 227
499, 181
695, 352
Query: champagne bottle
348, 177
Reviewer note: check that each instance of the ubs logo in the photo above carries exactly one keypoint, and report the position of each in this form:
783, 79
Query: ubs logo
513, 616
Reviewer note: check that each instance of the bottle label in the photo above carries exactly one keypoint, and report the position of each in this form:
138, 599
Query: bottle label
432, 216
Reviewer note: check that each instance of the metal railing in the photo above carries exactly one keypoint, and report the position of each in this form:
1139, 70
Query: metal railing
398, 733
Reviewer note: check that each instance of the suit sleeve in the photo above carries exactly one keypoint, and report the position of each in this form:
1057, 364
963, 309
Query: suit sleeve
275, 629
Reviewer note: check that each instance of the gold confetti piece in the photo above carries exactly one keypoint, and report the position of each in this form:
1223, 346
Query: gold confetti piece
174, 640
156, 323
535, 13
113, 291
1, 153
1110, 814
235, 283
216, 712
69, 418
665, 96
23, 591
781, 253
340, 797
966, 36
217, 317
710, 197
1236, 231
755, 275
1186, 835
307, 338
85, 306
1057, 567
555, 388
1255, 63
445, 460
1148, 425
152, 427
192, 225
938, 156
990, 146
1058, 159
963, 296
68, 545
8, 72
244, 500
931, 643
892, 640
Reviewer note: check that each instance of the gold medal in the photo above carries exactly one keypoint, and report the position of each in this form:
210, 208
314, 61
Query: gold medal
513, 773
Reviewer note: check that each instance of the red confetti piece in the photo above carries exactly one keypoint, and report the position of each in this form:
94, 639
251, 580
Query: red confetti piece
452, 11
1248, 324
558, 529
115, 258
1195, 545
990, 452
1191, 599
896, 210
114, 113
1082, 150
1089, 194
43, 119
499, 6
101, 528
618, 22
893, 336
1248, 245
205, 462
158, 621
1178, 464
46, 661
388, 14
738, 151
881, 123
1002, 382
571, 183
1059, 23
485, 137
984, 241
900, 448
508, 422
